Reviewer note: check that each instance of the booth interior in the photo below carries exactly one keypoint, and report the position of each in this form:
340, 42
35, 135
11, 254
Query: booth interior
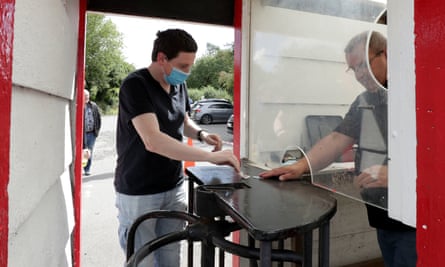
299, 89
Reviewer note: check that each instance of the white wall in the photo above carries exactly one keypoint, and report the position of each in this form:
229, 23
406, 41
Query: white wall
402, 112
40, 202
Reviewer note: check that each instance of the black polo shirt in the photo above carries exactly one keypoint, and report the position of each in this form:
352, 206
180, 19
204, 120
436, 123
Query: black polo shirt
138, 171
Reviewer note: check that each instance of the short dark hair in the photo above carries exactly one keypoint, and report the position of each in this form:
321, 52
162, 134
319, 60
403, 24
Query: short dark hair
377, 43
171, 42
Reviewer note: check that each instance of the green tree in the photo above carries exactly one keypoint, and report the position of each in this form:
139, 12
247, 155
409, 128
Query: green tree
212, 49
208, 92
214, 69
225, 80
105, 67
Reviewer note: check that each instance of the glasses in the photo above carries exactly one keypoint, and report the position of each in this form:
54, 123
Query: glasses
363, 64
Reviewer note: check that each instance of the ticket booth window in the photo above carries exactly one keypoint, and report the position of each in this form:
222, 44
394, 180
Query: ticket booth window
301, 87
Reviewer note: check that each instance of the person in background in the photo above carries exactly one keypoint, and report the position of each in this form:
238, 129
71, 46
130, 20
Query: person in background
152, 122
397, 241
91, 128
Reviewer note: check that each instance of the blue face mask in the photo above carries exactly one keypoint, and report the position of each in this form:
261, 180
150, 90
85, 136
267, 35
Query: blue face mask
176, 77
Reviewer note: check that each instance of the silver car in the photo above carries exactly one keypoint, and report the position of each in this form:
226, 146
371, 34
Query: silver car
209, 111
229, 124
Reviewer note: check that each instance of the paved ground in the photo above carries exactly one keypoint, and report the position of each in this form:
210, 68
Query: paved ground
99, 242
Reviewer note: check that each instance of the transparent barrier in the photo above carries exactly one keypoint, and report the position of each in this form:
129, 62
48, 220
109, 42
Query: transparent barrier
317, 87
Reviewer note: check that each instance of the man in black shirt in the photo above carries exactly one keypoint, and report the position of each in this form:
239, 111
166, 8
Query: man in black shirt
152, 121
365, 124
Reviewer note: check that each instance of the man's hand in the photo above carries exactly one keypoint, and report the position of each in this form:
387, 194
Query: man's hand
225, 157
213, 140
288, 172
374, 176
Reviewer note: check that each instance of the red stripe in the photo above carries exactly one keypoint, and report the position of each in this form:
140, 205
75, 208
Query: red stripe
430, 112
80, 79
237, 97
237, 76
6, 41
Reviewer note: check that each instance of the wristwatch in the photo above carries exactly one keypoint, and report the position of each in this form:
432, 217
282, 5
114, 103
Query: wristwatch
198, 135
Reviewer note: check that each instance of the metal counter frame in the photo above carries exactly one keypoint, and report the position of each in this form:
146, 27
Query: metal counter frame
312, 208
292, 208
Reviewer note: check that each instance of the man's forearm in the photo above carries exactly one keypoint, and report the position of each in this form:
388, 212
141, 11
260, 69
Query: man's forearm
327, 150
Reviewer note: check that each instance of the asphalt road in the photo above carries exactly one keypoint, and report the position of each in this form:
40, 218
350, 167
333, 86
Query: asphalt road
99, 242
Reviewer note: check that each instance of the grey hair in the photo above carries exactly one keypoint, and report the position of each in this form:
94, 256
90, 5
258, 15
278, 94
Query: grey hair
377, 42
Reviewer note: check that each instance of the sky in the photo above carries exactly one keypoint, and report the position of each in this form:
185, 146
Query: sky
139, 33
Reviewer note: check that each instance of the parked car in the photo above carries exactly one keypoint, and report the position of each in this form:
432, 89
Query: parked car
229, 124
207, 111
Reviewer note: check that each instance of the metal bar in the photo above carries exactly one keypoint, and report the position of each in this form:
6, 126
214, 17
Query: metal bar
265, 253
151, 215
207, 254
307, 249
221, 251
251, 244
154, 244
280, 246
323, 249
221, 258
190, 211
254, 253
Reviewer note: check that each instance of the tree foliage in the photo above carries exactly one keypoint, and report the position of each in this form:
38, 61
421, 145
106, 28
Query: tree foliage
105, 67
214, 69
209, 92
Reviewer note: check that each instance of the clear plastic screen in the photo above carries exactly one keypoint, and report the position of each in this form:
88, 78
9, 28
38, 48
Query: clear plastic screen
301, 87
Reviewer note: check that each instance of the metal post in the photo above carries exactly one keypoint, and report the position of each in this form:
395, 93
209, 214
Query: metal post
307, 249
266, 254
323, 246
